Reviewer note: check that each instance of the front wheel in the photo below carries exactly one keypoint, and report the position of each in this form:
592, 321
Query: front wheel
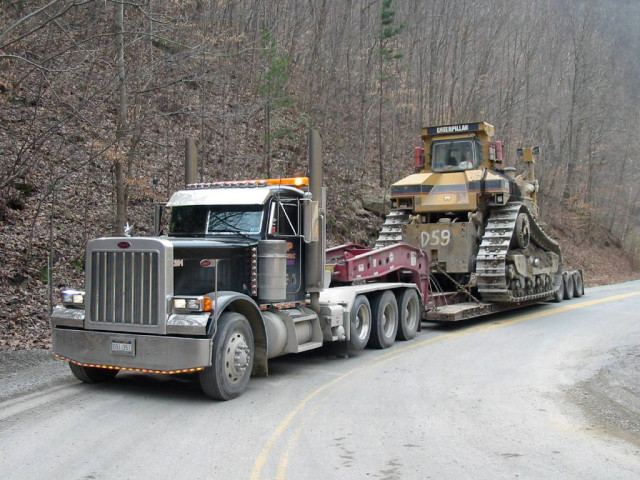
92, 374
385, 320
409, 314
233, 353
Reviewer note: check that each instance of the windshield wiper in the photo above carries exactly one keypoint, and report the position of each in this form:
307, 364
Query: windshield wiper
233, 228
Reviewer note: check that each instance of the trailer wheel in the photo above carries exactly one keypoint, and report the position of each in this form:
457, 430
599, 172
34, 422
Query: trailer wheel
360, 323
233, 353
568, 287
409, 314
92, 374
558, 296
578, 287
385, 320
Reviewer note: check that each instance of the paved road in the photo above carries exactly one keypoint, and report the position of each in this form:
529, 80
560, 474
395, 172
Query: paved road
515, 396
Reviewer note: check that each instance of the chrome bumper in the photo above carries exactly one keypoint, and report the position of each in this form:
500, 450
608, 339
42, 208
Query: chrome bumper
152, 352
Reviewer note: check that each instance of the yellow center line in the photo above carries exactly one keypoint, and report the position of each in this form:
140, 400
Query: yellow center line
262, 457
284, 461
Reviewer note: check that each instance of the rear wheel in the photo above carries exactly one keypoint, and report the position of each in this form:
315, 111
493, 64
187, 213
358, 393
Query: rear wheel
568, 287
409, 314
578, 287
360, 323
92, 374
233, 352
385, 320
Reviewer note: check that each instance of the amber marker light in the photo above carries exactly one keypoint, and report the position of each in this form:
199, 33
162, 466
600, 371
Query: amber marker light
292, 181
129, 369
207, 304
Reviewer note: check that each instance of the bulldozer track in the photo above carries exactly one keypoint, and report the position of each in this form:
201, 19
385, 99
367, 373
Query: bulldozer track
491, 262
391, 231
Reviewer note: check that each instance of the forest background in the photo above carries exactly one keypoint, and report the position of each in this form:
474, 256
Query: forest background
98, 96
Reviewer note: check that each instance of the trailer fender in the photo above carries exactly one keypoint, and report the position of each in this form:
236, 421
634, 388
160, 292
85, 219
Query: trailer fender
246, 306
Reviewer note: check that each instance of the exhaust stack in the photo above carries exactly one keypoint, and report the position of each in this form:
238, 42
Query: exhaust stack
315, 257
190, 161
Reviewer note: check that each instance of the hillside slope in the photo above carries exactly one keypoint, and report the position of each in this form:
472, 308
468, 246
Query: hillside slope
216, 71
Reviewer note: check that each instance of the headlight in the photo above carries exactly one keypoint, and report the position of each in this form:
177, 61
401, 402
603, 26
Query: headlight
192, 304
72, 298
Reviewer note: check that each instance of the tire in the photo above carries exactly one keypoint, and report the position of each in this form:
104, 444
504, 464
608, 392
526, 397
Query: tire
523, 231
360, 323
409, 314
578, 287
558, 296
232, 361
385, 320
92, 374
568, 287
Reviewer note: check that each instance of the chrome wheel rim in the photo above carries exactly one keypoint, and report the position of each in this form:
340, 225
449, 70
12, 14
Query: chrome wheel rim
388, 323
411, 313
237, 357
363, 322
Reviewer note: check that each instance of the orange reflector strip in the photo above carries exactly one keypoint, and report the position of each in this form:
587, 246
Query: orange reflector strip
129, 369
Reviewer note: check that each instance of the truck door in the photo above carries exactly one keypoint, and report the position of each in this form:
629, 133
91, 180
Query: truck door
284, 224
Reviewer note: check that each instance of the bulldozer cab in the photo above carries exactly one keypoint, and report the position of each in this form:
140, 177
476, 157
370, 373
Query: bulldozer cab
456, 148
455, 155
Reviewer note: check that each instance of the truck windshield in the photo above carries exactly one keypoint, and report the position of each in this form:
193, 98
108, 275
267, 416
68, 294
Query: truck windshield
201, 220
453, 156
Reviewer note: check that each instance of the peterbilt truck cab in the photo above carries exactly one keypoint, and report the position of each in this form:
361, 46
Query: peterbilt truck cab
151, 304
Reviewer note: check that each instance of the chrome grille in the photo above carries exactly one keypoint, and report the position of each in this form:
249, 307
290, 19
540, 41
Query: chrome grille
124, 287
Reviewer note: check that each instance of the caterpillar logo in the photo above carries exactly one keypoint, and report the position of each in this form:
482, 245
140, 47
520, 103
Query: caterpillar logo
453, 129
458, 128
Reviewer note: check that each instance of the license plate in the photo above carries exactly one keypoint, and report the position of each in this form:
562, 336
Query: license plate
123, 346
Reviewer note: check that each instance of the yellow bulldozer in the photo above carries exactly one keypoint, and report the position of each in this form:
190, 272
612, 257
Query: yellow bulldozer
476, 219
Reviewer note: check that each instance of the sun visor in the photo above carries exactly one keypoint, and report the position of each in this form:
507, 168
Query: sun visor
219, 196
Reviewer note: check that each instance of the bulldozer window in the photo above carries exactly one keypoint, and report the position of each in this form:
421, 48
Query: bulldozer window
453, 155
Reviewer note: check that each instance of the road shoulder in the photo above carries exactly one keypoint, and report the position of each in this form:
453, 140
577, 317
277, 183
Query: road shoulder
27, 371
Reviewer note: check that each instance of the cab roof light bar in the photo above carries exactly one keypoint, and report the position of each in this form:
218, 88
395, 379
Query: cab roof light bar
298, 182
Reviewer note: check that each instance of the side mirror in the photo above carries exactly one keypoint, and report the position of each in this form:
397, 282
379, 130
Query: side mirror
311, 219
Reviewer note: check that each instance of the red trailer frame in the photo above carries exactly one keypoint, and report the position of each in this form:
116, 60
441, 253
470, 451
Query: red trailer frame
352, 263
